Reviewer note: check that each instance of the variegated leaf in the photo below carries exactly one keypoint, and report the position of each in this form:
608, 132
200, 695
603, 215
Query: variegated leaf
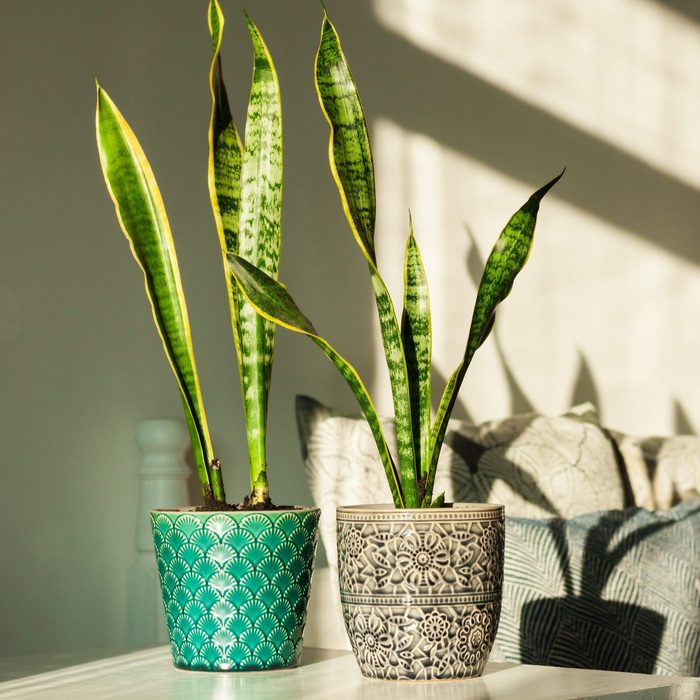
272, 301
142, 217
398, 376
349, 149
260, 236
224, 168
416, 334
351, 164
508, 257
245, 186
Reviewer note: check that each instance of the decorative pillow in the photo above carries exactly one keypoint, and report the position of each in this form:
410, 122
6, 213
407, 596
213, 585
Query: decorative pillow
661, 471
535, 465
617, 590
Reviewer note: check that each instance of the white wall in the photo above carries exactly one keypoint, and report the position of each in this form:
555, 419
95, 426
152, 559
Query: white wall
82, 363
604, 310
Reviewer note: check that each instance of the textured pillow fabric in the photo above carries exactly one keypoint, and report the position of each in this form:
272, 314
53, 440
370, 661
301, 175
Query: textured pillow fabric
661, 471
617, 590
535, 465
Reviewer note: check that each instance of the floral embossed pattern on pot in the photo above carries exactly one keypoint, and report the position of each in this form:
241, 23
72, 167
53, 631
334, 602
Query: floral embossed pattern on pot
235, 585
421, 589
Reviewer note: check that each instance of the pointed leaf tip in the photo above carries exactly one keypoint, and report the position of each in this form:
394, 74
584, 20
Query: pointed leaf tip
545, 188
506, 260
267, 296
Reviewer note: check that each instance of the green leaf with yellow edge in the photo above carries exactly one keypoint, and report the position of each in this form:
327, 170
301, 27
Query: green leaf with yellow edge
508, 257
142, 217
245, 183
224, 166
350, 159
271, 300
349, 149
416, 334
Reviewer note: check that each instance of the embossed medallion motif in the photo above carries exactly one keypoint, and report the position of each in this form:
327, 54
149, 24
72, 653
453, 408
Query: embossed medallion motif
235, 585
421, 589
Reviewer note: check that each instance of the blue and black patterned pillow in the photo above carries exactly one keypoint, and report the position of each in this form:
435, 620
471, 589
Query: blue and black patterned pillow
614, 590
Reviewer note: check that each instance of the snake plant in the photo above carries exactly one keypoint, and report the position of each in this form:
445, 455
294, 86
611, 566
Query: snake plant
245, 185
407, 344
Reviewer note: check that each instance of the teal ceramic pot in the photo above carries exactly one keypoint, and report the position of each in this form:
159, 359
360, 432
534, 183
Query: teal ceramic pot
235, 585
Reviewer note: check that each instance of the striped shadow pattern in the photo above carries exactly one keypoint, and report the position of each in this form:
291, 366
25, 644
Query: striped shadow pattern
614, 590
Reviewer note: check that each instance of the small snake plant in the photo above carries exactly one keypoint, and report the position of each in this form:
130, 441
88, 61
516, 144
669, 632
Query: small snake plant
245, 185
407, 345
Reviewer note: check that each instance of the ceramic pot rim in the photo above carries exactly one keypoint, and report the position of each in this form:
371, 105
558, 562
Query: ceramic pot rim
193, 510
391, 508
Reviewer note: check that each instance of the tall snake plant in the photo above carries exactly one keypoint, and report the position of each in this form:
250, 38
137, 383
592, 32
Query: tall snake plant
245, 185
408, 344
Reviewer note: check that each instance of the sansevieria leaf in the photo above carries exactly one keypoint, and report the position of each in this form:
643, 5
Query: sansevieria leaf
349, 149
508, 257
272, 300
225, 163
416, 334
143, 219
245, 182
351, 164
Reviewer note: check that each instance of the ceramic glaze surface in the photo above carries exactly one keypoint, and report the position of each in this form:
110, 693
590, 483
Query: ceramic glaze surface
235, 586
421, 590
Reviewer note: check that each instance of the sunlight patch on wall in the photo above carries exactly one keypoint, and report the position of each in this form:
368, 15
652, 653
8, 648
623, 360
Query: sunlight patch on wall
592, 296
625, 71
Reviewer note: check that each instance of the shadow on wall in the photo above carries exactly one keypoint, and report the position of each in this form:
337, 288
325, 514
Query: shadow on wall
681, 422
460, 113
584, 386
524, 135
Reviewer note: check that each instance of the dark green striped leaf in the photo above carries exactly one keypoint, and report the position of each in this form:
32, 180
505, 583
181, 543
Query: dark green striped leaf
142, 217
508, 257
351, 164
398, 376
272, 300
349, 149
416, 334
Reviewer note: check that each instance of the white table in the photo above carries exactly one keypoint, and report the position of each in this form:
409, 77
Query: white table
323, 674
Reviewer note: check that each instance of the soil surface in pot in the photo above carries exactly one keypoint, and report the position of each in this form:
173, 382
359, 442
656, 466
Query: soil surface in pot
246, 504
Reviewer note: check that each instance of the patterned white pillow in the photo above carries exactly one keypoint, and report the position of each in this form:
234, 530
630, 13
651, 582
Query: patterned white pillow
536, 466
661, 471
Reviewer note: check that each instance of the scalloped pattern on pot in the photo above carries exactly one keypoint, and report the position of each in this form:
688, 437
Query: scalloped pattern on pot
421, 595
235, 586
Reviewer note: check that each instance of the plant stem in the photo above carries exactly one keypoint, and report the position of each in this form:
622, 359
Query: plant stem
257, 452
260, 491
217, 483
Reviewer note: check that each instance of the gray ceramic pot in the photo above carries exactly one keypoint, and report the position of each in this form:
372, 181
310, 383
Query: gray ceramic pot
421, 589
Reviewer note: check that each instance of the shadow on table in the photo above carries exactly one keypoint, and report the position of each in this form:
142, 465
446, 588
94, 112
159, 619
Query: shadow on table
312, 656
